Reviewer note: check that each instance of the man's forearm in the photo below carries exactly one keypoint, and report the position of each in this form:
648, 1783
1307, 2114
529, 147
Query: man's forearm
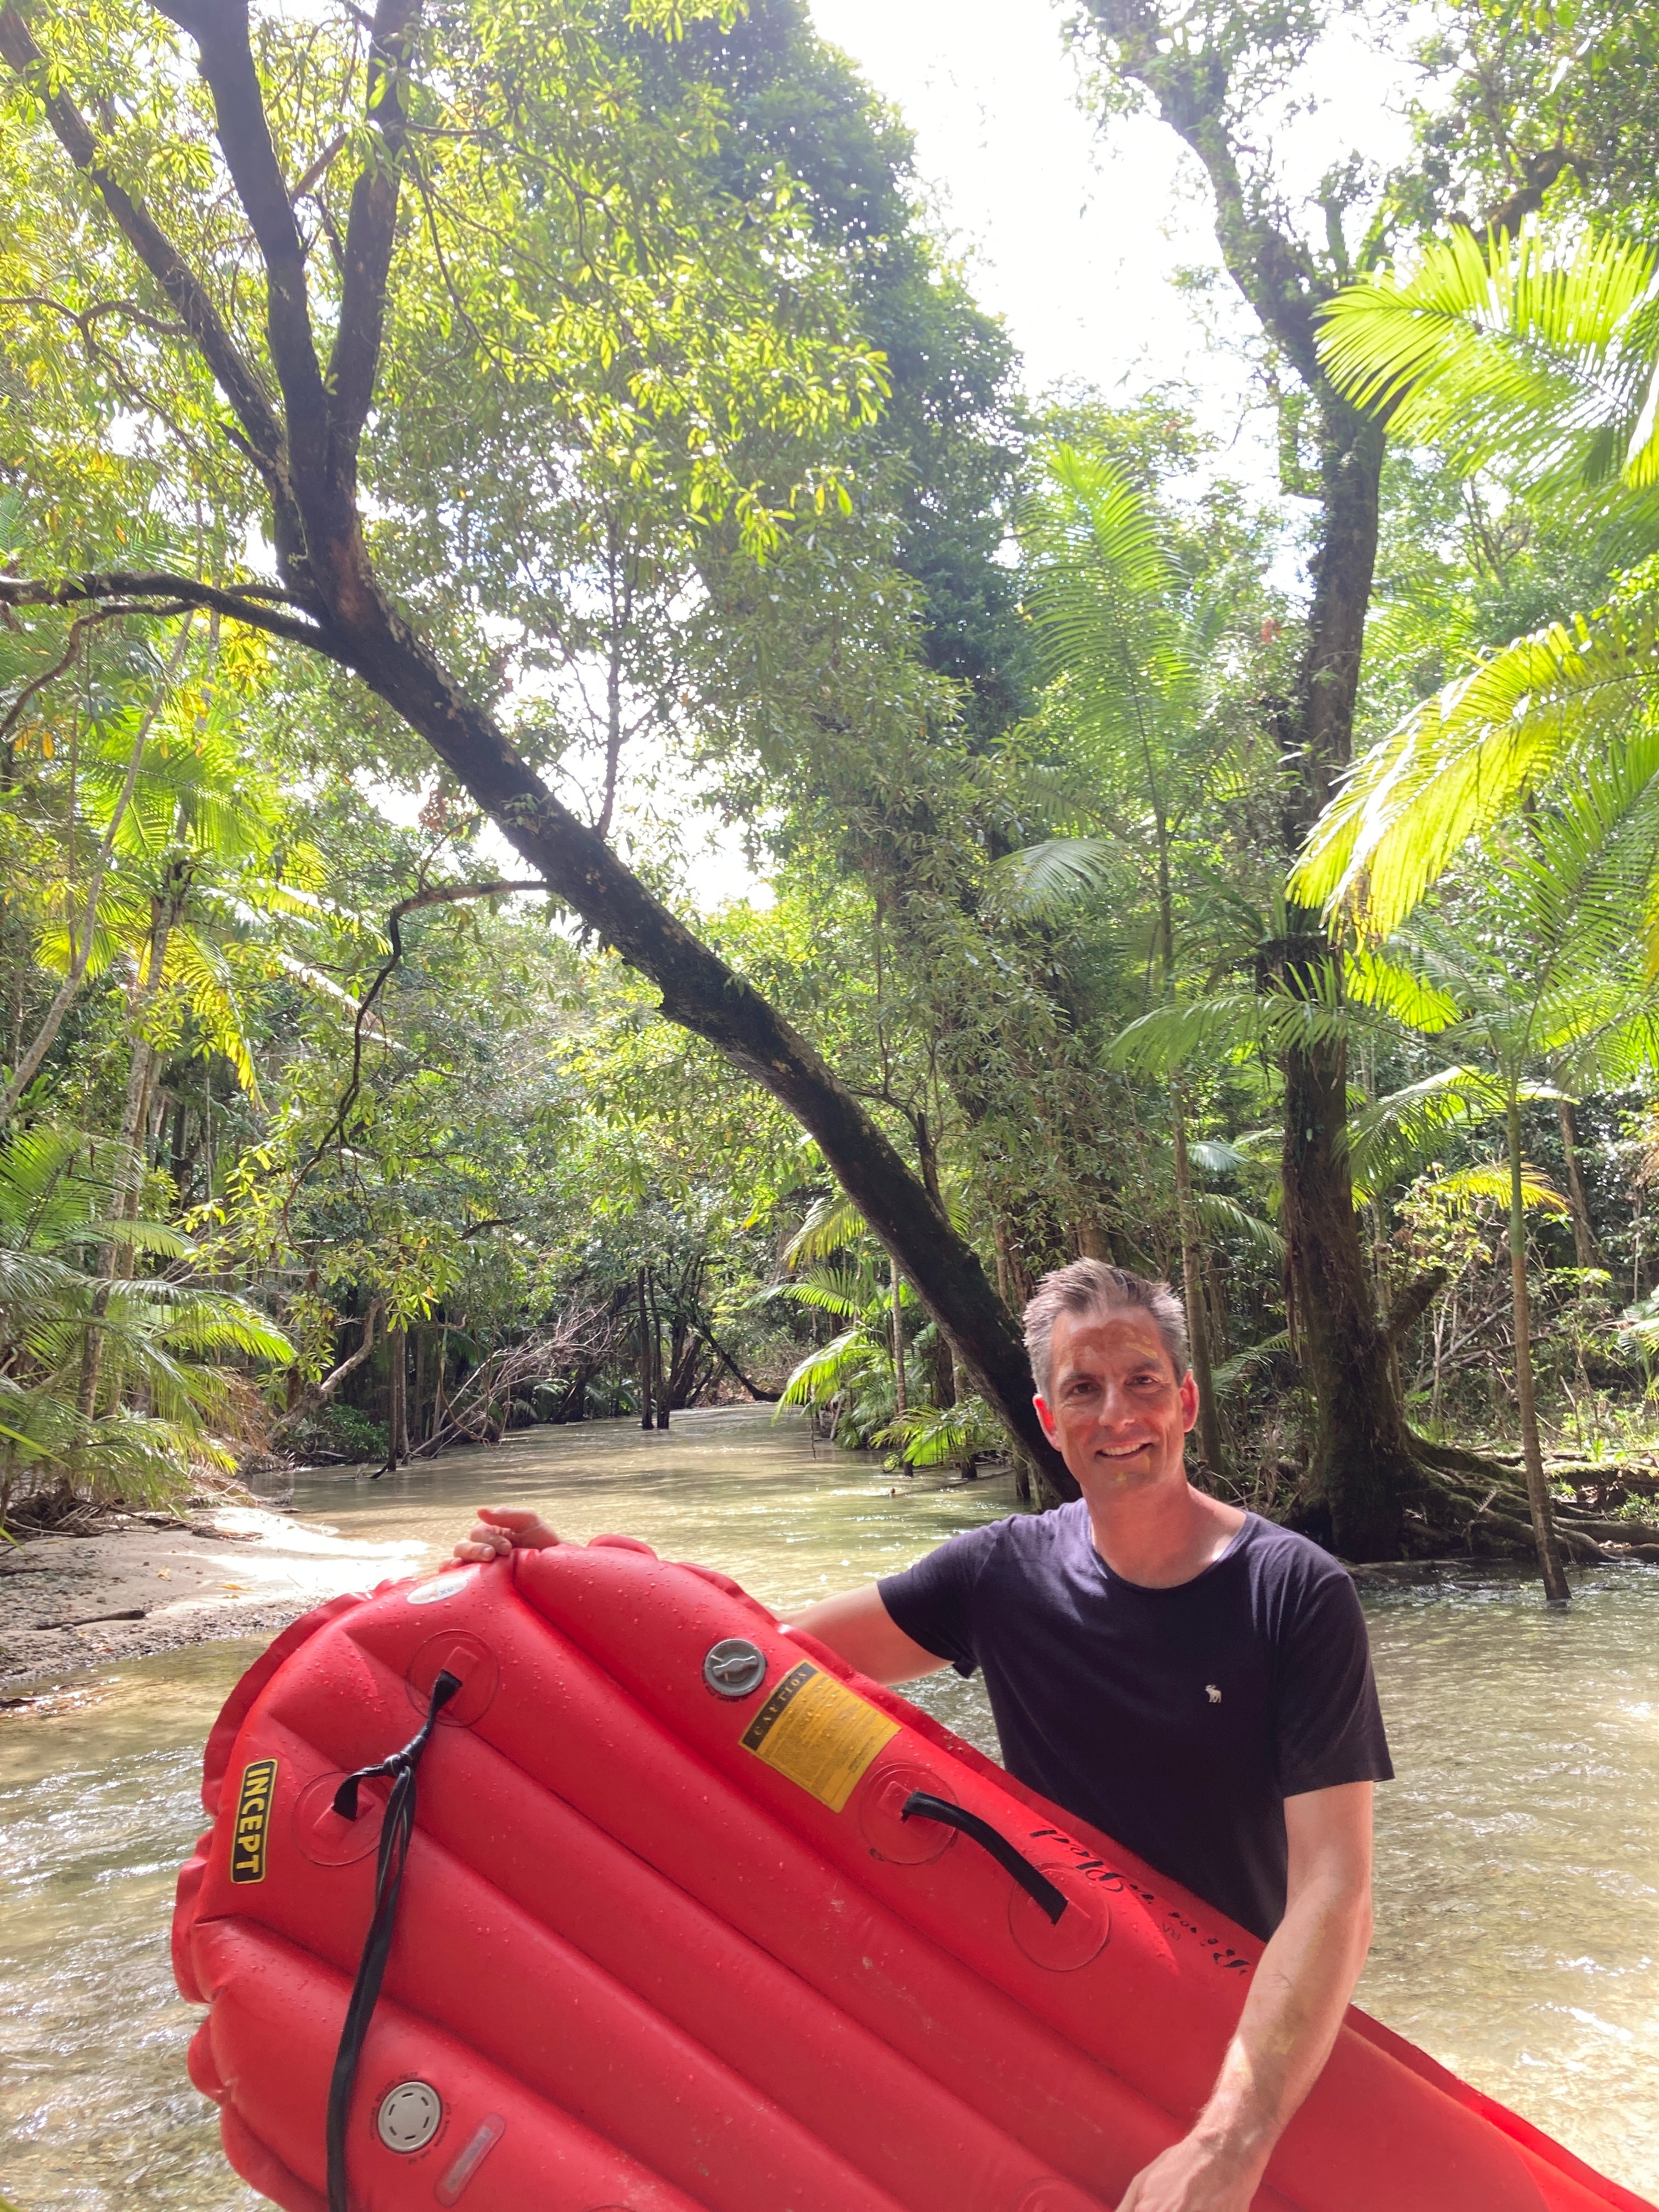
1297, 1997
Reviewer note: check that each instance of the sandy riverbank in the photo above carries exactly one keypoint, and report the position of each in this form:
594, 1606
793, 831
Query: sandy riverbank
228, 1570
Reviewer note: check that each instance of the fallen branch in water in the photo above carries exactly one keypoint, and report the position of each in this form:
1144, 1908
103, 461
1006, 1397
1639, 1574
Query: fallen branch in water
92, 1620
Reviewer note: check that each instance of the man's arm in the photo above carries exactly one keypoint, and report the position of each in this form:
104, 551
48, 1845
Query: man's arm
858, 1627
1297, 1997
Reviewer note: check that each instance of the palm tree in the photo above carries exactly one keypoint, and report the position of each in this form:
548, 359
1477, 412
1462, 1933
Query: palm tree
1543, 355
1546, 969
1125, 644
196, 838
162, 1398
857, 1370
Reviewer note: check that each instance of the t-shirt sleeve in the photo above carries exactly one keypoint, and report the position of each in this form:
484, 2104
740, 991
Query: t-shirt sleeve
1329, 1722
934, 1600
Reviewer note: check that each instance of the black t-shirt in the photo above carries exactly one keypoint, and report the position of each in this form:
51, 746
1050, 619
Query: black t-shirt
1177, 1720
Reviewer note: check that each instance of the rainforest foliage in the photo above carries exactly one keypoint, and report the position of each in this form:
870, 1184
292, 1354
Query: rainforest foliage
600, 809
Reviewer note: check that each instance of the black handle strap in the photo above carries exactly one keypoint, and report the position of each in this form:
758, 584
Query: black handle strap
919, 1806
395, 1830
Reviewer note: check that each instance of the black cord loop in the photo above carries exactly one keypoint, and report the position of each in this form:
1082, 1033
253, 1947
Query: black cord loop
395, 1830
1037, 1887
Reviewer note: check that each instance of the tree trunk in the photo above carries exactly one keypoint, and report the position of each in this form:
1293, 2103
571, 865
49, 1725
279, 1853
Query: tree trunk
397, 1344
645, 1364
1538, 1489
422, 1349
1362, 1463
659, 1372
129, 1177
1211, 1448
1363, 1467
438, 1381
1586, 1246
941, 1372
901, 1406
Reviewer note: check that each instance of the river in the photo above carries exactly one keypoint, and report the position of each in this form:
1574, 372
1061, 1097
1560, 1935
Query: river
1518, 1851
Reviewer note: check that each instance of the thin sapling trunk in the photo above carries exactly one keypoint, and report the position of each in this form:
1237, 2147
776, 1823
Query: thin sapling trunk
1210, 1448
396, 1342
645, 1356
1538, 1490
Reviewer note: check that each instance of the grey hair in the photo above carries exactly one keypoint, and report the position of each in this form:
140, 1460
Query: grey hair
1095, 1286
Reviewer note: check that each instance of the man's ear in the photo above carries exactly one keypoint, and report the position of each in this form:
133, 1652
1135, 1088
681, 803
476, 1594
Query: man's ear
1189, 1400
1045, 1414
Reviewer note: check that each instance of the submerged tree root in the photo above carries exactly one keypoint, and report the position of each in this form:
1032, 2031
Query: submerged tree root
1469, 1503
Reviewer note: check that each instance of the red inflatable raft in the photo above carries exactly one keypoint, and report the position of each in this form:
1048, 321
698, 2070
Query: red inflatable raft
692, 1917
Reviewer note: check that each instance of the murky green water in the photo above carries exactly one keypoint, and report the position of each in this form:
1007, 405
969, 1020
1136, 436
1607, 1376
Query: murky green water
1518, 1890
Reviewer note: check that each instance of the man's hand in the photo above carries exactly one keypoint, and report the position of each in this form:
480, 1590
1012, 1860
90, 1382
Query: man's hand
1296, 1999
1190, 2177
499, 1530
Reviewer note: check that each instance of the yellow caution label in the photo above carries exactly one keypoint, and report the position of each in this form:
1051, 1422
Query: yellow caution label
247, 1842
815, 1730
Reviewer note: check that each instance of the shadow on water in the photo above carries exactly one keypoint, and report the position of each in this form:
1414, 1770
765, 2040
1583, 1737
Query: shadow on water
1518, 1868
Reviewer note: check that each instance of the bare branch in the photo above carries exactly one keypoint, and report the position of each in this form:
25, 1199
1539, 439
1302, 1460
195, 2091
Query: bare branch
432, 894
320, 168
318, 1394
84, 317
154, 592
1412, 1303
1539, 172
36, 684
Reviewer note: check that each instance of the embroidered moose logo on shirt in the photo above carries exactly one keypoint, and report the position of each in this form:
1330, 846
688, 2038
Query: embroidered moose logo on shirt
1212, 1693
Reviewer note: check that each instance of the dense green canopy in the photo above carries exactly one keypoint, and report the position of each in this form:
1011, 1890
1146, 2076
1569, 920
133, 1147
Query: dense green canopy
455, 465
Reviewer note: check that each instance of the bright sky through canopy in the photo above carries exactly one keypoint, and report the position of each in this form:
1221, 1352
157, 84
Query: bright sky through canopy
1073, 231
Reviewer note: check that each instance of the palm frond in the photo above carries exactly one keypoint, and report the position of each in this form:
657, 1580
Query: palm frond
1489, 1182
1372, 979
1231, 1373
1220, 1216
1464, 759
1392, 1134
942, 1436
1171, 1036
824, 1372
1537, 349
1041, 881
831, 1224
1217, 1156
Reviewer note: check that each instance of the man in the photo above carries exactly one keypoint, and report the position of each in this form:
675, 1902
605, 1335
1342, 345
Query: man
1180, 1673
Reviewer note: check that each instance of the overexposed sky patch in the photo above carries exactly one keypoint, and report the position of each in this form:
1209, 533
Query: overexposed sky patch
1073, 229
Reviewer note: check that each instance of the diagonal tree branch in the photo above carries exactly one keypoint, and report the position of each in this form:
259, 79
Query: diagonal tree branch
1269, 265
371, 231
49, 675
220, 28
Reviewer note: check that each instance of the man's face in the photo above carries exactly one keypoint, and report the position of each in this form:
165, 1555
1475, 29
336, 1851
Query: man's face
1117, 1413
